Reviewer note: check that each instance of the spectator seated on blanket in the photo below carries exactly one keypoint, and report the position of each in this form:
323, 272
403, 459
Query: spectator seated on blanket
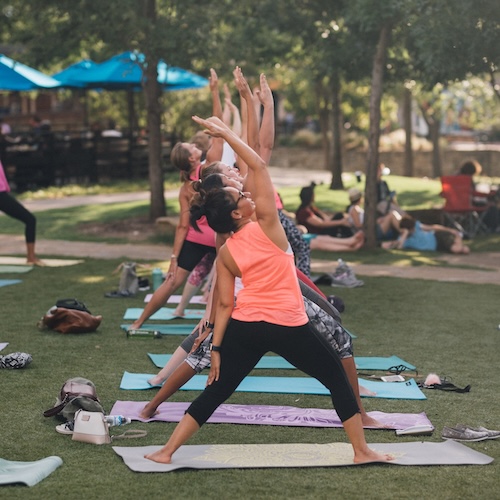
417, 236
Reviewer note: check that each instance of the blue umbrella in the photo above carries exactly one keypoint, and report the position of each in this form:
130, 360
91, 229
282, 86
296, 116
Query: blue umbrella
17, 76
124, 71
71, 76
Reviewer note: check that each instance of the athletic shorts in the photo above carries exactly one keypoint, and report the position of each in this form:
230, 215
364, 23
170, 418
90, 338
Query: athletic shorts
191, 253
200, 359
444, 240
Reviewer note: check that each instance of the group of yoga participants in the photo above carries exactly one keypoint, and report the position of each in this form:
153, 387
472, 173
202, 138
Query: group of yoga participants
260, 300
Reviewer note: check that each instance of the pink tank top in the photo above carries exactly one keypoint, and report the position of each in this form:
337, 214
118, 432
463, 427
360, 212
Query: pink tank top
207, 235
4, 185
271, 290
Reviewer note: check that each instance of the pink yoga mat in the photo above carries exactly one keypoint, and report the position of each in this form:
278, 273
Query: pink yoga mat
266, 415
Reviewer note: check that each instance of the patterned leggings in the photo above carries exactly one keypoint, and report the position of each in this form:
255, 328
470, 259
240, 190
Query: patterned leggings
299, 245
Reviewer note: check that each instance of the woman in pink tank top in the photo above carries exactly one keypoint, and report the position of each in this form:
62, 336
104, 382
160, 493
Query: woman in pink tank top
258, 252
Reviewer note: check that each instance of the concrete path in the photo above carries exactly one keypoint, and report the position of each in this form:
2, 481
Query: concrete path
487, 264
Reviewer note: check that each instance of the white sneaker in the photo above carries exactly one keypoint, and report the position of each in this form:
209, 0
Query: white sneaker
66, 428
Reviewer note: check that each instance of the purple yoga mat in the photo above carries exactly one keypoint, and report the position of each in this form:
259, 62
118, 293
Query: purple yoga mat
266, 415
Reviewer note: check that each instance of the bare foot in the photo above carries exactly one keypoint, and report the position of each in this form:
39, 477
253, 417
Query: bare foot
363, 391
156, 381
368, 455
371, 422
178, 314
160, 456
36, 262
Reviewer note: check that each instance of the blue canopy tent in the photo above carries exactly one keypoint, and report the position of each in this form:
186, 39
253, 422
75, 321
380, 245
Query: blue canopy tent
125, 72
15, 76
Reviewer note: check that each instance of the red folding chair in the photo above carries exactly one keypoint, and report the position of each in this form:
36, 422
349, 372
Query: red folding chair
458, 210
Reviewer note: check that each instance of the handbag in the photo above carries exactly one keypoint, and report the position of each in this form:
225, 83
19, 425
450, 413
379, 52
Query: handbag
75, 394
92, 427
65, 320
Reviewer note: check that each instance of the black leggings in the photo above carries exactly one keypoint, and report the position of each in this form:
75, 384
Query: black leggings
245, 343
11, 207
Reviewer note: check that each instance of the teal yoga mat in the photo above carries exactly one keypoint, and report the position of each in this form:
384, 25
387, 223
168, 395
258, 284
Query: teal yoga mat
362, 363
285, 385
9, 282
179, 329
165, 313
267, 362
15, 269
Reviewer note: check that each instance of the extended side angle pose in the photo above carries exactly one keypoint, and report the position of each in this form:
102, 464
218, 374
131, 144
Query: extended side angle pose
269, 314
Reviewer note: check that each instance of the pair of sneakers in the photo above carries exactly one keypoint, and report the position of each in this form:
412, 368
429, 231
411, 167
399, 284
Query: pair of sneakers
344, 277
465, 433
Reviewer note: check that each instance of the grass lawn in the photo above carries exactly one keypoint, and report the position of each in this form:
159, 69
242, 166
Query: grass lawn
447, 328
441, 327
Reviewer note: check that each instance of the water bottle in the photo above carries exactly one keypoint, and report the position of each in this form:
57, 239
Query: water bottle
157, 278
113, 420
143, 334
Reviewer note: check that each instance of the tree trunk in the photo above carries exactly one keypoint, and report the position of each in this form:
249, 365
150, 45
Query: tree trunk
374, 137
153, 106
322, 105
408, 166
434, 128
337, 136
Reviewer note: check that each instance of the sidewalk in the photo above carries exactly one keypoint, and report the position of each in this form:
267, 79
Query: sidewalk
487, 264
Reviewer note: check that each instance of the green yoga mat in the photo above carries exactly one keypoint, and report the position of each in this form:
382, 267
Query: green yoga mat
163, 314
5, 269
249, 456
179, 329
285, 385
362, 363
9, 282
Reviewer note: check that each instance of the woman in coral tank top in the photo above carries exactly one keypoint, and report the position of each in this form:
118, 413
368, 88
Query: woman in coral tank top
269, 312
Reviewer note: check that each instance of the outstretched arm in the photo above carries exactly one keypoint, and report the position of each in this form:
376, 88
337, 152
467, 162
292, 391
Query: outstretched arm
267, 130
217, 145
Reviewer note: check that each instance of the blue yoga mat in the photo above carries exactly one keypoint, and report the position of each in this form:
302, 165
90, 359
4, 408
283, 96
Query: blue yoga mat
165, 313
269, 362
9, 282
381, 363
285, 385
178, 329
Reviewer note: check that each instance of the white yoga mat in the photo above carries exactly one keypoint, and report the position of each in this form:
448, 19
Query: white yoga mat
175, 299
248, 456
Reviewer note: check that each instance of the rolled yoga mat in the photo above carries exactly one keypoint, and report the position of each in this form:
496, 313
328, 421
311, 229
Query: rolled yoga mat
289, 416
362, 363
250, 456
285, 385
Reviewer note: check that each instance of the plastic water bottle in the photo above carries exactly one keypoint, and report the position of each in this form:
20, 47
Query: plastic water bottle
143, 334
113, 420
157, 278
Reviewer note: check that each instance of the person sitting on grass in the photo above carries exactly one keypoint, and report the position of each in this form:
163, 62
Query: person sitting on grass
417, 236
